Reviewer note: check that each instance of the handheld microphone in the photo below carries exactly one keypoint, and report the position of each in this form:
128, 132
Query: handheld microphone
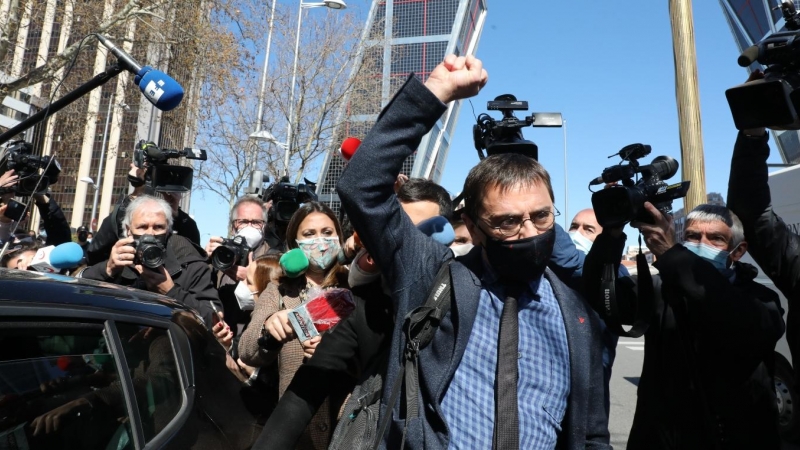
321, 313
349, 147
294, 263
159, 88
439, 229
52, 259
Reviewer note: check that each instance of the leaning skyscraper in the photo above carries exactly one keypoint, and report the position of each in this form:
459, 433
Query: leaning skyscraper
403, 37
750, 21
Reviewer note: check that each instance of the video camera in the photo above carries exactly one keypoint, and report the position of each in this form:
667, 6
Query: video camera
505, 136
617, 205
286, 197
160, 175
19, 157
230, 253
773, 102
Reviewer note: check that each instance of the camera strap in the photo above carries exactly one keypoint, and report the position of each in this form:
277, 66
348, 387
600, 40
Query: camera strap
645, 298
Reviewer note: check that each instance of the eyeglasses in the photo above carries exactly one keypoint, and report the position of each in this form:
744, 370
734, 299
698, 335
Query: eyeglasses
511, 225
258, 223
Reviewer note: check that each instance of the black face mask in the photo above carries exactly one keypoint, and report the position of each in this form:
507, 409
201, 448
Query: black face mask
135, 181
521, 260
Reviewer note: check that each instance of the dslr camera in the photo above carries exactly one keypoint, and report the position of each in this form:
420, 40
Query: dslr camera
286, 197
149, 251
615, 206
505, 136
773, 102
230, 253
162, 176
35, 173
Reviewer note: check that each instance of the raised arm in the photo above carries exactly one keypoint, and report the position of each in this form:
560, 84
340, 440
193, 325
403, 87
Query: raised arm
771, 243
366, 186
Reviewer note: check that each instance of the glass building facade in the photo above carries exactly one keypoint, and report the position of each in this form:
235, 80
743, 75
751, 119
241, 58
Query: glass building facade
750, 21
403, 37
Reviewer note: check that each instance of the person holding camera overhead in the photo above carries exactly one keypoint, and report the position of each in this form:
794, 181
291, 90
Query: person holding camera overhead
150, 257
706, 382
315, 230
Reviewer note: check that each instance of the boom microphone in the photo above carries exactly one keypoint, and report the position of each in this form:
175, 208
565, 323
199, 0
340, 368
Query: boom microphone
439, 229
349, 147
159, 88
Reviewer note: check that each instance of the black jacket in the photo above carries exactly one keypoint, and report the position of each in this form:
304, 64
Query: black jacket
186, 264
771, 243
354, 349
54, 222
110, 232
708, 361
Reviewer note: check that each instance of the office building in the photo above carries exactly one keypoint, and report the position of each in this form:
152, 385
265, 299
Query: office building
403, 37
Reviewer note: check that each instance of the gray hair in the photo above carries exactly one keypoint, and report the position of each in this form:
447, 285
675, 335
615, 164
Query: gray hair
143, 200
709, 213
248, 199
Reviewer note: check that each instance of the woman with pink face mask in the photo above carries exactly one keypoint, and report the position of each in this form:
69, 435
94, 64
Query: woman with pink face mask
315, 230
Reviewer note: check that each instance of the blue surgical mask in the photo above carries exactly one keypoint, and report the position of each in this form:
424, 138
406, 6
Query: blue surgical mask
718, 258
582, 243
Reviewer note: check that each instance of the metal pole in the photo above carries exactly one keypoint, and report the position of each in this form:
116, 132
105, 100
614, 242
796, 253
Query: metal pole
566, 183
291, 93
102, 160
688, 99
251, 157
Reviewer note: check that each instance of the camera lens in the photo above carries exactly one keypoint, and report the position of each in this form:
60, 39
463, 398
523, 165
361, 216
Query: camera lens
224, 257
151, 255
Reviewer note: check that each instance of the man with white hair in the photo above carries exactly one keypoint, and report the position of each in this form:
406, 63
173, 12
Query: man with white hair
708, 358
182, 274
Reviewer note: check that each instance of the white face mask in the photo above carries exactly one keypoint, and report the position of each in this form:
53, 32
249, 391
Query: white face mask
358, 277
252, 235
461, 249
246, 298
582, 243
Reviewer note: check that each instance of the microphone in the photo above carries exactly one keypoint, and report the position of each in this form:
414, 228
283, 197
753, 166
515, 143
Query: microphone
349, 147
294, 263
52, 259
439, 229
748, 56
159, 88
321, 313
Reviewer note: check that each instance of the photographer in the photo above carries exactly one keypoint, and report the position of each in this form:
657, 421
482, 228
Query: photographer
182, 274
53, 220
706, 380
248, 219
112, 229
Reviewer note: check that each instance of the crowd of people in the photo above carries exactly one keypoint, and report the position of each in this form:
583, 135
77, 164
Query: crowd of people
515, 356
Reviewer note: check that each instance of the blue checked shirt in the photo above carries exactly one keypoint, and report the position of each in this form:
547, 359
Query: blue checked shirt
544, 382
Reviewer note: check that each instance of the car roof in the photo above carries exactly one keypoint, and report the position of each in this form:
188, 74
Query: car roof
21, 286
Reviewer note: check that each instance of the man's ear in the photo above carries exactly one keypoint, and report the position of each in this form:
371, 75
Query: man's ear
472, 227
739, 251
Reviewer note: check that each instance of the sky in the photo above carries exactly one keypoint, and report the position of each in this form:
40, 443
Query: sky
608, 68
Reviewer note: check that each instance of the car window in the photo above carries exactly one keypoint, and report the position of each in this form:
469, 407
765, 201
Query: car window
154, 372
59, 388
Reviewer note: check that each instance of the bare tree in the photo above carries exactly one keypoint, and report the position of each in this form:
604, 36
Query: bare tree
328, 50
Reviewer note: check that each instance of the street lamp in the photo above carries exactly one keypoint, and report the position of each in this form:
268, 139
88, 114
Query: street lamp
90, 182
250, 156
332, 4
102, 157
266, 136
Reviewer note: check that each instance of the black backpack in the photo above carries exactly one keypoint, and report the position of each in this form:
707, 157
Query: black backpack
359, 427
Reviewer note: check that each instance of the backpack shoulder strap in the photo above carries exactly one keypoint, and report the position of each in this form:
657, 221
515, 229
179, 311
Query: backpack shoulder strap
419, 327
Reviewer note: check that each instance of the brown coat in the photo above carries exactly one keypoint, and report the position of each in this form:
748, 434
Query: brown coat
290, 357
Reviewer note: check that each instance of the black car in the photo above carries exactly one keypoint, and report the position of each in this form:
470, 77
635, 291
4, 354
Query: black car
88, 365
